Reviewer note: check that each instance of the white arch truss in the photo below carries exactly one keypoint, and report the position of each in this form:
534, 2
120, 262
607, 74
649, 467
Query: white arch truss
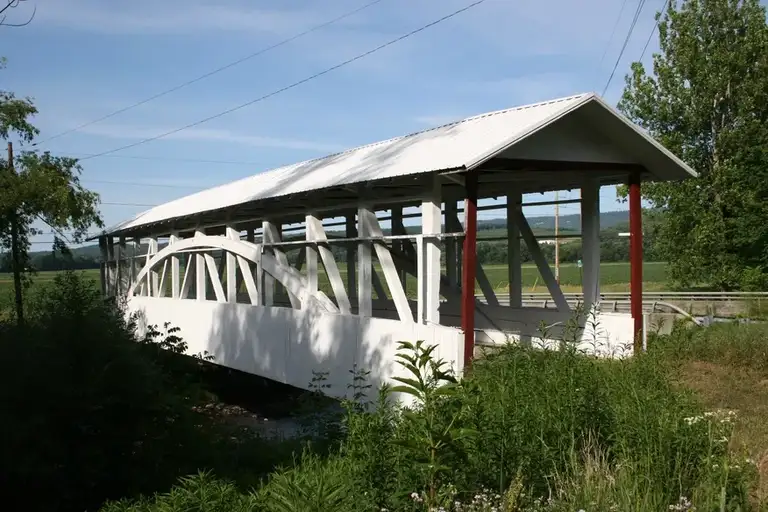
246, 253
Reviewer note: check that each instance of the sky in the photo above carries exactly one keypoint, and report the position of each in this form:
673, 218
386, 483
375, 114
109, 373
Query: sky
80, 60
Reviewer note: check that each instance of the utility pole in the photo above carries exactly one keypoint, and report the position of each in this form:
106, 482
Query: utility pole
15, 252
557, 234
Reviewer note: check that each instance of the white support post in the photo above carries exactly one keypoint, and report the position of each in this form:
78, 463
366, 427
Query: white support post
399, 245
389, 269
351, 233
161, 286
271, 233
267, 282
201, 287
231, 262
132, 264
111, 268
103, 267
514, 262
364, 267
311, 252
590, 242
174, 238
451, 262
315, 227
246, 274
138, 263
541, 263
153, 278
431, 224
189, 271
122, 267
421, 282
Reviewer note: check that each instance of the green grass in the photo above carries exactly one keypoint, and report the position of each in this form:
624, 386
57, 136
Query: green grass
527, 430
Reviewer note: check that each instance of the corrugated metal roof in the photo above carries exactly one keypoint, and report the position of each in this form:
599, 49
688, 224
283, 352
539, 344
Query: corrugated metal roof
462, 144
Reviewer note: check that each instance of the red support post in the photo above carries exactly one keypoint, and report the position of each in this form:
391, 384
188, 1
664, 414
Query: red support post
469, 267
636, 261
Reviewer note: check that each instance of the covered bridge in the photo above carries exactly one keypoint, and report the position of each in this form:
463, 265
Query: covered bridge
326, 264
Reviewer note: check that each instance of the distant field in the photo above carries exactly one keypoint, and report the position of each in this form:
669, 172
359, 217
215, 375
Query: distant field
614, 277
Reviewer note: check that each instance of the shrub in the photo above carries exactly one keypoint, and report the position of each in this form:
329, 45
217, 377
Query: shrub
86, 414
90, 412
199, 492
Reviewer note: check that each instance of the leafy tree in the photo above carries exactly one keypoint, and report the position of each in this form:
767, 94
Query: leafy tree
707, 101
37, 187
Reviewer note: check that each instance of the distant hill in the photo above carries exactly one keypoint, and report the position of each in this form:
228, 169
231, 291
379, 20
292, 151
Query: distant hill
544, 224
567, 222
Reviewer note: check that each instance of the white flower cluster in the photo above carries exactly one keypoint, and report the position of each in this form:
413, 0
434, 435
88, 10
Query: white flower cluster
683, 505
719, 416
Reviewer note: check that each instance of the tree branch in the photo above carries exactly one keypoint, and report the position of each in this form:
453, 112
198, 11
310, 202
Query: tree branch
12, 4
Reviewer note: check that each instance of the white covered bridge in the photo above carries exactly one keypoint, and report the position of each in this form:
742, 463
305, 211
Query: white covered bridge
327, 264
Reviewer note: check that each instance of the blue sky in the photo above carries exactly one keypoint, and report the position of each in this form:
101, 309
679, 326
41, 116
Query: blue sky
82, 59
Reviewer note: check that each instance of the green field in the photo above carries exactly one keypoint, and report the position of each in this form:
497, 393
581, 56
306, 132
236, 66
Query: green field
614, 277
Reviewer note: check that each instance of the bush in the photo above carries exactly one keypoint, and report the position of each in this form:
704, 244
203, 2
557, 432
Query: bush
90, 412
86, 415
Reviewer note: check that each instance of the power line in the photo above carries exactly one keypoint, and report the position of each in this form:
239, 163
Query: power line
655, 26
639, 9
173, 159
291, 86
211, 73
139, 184
613, 32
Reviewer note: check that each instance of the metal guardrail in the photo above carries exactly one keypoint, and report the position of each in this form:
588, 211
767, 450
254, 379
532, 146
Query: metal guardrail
652, 296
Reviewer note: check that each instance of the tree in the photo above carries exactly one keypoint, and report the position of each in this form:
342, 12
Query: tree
707, 101
37, 187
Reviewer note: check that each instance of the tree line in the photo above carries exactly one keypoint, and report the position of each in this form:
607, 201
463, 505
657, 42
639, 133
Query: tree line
613, 248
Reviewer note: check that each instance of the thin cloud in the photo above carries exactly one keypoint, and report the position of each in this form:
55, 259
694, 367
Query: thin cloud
176, 17
210, 134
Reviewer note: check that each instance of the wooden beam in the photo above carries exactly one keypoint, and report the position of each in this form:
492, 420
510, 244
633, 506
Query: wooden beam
451, 263
201, 287
175, 269
541, 263
231, 263
364, 268
514, 261
590, 242
311, 254
431, 224
468, 269
389, 269
351, 232
315, 227
636, 261
514, 164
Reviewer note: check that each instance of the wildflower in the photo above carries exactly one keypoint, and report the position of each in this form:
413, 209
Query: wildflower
683, 505
416, 497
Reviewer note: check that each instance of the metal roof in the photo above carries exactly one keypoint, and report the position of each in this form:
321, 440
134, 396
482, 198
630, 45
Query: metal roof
459, 145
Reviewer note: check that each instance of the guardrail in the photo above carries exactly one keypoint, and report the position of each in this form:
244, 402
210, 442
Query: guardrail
652, 296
